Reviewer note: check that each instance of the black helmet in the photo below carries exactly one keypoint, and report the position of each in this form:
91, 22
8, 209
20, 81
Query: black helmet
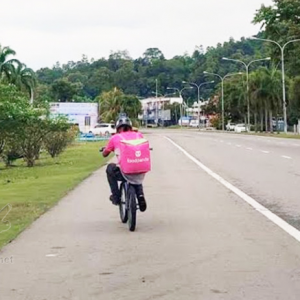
123, 121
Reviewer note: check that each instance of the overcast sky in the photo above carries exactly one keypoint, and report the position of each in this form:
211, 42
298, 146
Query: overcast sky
44, 32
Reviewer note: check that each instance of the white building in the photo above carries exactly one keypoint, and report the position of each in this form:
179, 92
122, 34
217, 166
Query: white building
194, 110
154, 107
83, 114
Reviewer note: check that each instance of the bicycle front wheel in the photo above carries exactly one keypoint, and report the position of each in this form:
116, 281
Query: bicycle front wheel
122, 206
131, 209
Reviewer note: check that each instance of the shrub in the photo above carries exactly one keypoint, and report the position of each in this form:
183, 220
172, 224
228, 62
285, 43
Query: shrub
11, 152
56, 142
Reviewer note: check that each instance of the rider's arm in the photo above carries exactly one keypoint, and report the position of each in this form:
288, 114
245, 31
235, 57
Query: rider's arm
105, 153
109, 148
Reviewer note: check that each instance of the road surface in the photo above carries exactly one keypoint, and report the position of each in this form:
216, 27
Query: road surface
197, 240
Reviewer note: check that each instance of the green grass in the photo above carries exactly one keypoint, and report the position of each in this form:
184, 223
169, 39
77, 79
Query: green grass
278, 135
32, 191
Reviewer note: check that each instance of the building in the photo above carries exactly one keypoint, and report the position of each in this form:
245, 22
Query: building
153, 108
194, 110
85, 115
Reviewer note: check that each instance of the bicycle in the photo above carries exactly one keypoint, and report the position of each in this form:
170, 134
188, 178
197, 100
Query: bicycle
128, 205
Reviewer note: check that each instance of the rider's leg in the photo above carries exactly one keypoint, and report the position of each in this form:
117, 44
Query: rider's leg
141, 197
113, 176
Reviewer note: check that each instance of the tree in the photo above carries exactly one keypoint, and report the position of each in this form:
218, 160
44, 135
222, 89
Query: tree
56, 141
24, 77
235, 98
265, 90
152, 54
63, 90
281, 23
7, 65
125, 78
114, 102
294, 109
23, 127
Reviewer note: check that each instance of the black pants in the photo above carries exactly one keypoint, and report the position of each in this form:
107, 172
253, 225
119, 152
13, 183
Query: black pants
114, 175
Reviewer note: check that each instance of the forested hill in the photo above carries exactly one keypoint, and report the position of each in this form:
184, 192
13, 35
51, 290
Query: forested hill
88, 78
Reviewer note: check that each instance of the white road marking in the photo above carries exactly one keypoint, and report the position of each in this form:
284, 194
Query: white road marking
249, 148
287, 157
229, 144
264, 151
292, 231
239, 146
51, 255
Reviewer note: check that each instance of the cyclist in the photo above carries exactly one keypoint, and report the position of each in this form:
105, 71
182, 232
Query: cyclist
114, 174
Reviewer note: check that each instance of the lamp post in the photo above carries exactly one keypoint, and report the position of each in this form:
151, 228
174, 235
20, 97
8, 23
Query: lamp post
282, 48
247, 74
222, 87
180, 95
198, 87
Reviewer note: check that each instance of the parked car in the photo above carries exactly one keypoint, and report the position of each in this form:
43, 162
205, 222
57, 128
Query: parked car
103, 129
230, 126
240, 128
194, 123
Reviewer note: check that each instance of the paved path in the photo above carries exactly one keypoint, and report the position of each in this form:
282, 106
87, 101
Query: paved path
197, 240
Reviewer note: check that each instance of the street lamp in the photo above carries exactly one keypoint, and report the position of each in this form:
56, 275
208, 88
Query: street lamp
180, 95
222, 84
283, 75
198, 87
247, 74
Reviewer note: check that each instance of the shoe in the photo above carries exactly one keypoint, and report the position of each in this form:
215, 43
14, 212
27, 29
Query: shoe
115, 200
142, 202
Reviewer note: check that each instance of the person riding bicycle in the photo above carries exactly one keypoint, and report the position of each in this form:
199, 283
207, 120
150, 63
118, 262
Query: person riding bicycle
114, 174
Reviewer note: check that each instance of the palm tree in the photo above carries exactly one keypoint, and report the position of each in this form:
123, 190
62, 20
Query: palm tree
7, 66
265, 89
114, 102
24, 77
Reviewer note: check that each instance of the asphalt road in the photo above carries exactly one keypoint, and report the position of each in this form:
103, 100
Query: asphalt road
197, 240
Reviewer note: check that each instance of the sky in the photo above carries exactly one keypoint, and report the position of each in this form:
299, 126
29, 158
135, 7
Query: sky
45, 32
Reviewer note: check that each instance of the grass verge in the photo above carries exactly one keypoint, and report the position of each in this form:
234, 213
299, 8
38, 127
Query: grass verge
32, 191
277, 135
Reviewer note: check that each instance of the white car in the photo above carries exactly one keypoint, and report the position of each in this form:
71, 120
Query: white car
240, 128
230, 126
194, 123
103, 129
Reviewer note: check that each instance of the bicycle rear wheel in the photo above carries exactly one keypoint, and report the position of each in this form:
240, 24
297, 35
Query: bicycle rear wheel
131, 208
122, 206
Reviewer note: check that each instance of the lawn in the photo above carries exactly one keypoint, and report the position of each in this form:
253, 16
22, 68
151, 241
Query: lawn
32, 191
